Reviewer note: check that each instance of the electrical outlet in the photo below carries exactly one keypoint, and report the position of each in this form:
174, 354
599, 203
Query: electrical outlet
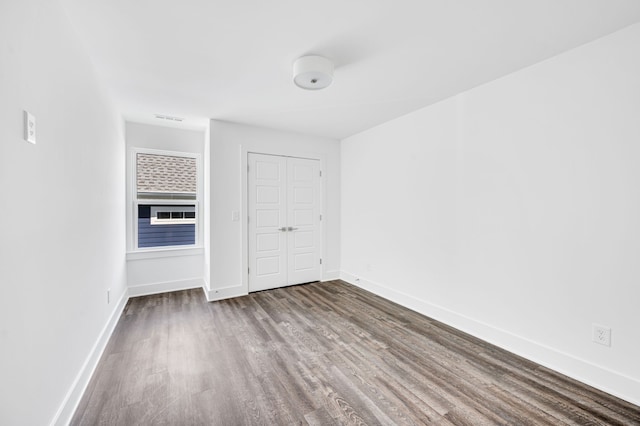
108, 295
29, 127
602, 335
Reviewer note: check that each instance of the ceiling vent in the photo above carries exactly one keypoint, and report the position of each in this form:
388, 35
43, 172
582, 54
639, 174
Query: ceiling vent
168, 118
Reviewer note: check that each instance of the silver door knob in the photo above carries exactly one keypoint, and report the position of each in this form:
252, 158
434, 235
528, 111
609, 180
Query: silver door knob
283, 229
292, 229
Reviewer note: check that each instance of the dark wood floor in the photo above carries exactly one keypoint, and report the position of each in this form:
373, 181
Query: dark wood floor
320, 354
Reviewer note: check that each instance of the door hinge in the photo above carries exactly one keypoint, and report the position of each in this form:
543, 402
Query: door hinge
247, 168
321, 261
320, 173
248, 271
320, 217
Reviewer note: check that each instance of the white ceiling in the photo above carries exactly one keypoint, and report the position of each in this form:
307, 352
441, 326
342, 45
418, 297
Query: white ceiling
231, 60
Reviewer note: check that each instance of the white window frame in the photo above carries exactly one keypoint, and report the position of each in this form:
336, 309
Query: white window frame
134, 202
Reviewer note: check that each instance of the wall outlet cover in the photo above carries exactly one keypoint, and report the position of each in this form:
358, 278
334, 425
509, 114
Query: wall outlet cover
602, 334
29, 128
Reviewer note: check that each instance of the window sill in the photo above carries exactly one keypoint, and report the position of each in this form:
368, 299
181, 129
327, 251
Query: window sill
157, 253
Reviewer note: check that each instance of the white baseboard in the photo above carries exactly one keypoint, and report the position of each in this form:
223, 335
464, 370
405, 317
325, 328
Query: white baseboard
165, 287
214, 294
225, 293
73, 397
331, 275
599, 377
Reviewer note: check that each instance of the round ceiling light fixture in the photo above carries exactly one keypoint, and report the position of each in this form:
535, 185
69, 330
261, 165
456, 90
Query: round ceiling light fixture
312, 72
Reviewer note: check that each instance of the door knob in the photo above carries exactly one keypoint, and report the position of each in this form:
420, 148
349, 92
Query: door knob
292, 229
283, 229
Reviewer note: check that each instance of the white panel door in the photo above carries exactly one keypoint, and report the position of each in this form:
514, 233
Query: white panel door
303, 217
267, 222
284, 221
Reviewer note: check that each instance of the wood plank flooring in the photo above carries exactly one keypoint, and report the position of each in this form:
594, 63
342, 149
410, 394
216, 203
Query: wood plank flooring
320, 354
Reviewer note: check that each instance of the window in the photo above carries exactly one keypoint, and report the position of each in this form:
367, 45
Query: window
173, 215
166, 199
166, 176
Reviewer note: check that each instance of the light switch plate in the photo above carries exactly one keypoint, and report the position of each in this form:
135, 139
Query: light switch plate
29, 128
235, 216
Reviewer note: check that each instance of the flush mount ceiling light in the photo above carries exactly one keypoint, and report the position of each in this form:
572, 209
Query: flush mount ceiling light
312, 72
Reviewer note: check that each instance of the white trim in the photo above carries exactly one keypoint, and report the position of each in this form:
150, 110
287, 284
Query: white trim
244, 214
331, 275
205, 291
165, 287
76, 392
155, 253
132, 191
225, 293
599, 377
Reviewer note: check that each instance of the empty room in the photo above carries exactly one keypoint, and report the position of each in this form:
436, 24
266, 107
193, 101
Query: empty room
339, 213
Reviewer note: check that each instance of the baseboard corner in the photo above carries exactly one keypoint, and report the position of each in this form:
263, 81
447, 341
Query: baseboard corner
165, 287
216, 294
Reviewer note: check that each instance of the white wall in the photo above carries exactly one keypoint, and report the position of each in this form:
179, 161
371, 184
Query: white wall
62, 242
512, 211
167, 270
206, 228
229, 144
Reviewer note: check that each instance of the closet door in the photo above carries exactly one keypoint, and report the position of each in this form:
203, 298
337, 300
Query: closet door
303, 221
267, 209
284, 221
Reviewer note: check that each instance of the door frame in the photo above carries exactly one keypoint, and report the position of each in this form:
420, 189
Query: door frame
244, 211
